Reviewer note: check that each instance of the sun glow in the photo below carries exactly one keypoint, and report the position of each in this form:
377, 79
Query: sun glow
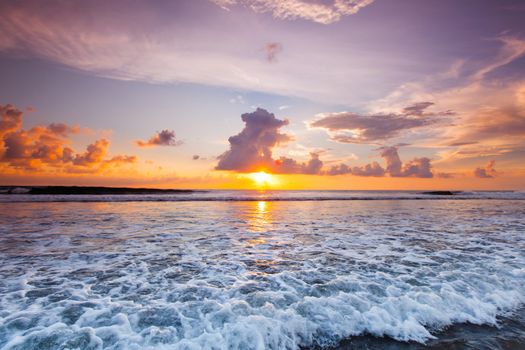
262, 179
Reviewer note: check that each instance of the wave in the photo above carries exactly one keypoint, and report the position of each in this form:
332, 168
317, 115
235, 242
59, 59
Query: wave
213, 276
219, 195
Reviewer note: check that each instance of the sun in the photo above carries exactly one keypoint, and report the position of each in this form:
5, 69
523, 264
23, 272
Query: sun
262, 179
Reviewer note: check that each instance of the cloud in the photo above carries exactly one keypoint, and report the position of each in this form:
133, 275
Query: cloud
105, 39
237, 99
372, 169
488, 105
301, 9
348, 127
47, 149
11, 119
123, 159
251, 149
505, 123
417, 167
161, 138
195, 157
286, 165
487, 172
417, 109
94, 153
272, 49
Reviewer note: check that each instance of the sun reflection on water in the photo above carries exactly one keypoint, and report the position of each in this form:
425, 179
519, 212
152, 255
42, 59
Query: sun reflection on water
260, 238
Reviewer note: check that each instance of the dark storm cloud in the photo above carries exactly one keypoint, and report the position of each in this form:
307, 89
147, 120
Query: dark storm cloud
161, 138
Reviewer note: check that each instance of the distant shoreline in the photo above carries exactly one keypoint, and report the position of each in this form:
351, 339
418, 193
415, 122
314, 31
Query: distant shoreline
95, 190
106, 190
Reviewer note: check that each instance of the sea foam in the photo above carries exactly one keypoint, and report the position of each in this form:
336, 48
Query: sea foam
254, 275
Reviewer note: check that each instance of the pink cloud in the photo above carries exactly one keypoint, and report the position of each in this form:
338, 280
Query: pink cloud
487, 172
301, 9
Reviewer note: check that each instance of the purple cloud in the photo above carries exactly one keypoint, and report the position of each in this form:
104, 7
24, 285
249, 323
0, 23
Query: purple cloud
372, 169
487, 172
251, 149
417, 167
162, 138
286, 165
357, 128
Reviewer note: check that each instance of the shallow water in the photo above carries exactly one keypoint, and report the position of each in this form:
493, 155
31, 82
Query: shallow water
262, 274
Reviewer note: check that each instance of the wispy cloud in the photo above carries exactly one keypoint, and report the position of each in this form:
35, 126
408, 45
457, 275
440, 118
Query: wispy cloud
489, 111
315, 11
348, 127
100, 38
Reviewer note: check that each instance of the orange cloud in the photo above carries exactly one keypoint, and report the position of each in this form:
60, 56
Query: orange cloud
47, 149
10, 119
489, 111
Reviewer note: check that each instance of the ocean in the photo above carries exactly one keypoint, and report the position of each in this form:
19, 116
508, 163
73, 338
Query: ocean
263, 270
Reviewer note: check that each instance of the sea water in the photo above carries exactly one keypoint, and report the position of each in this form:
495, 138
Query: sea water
272, 270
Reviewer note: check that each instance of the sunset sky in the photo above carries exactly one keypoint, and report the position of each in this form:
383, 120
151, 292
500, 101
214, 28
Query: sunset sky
335, 94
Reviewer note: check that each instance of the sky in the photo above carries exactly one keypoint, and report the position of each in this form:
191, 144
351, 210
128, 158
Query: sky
335, 94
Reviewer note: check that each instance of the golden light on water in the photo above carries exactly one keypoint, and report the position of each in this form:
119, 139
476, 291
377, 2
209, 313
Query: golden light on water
259, 218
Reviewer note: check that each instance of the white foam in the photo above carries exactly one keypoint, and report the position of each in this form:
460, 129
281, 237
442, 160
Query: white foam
239, 276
